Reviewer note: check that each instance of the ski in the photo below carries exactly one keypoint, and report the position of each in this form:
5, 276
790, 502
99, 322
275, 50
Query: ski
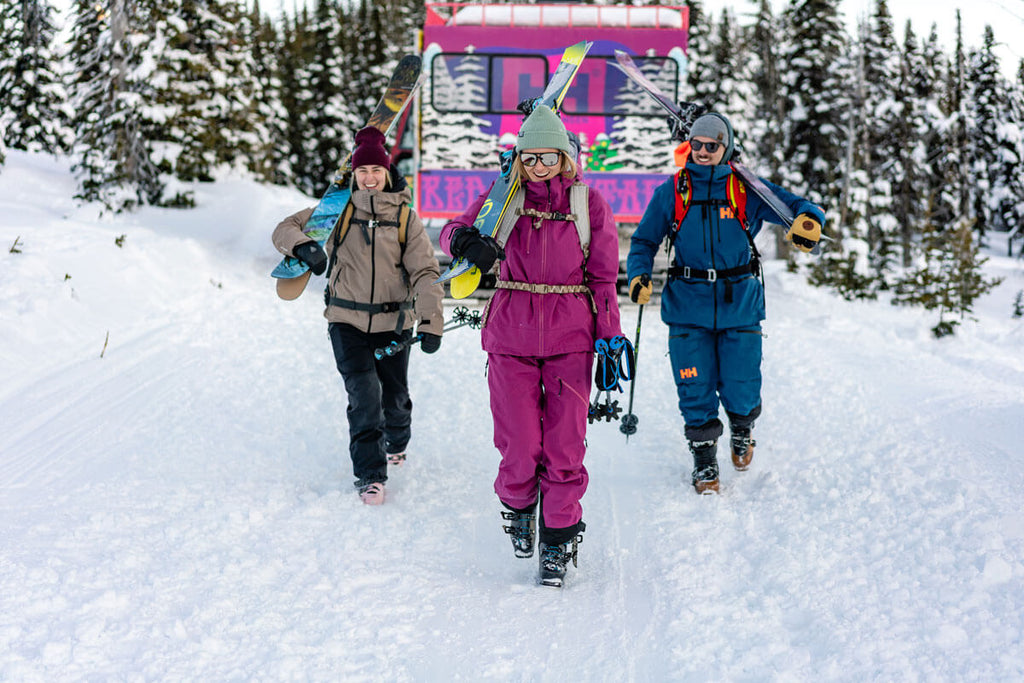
293, 275
464, 276
684, 115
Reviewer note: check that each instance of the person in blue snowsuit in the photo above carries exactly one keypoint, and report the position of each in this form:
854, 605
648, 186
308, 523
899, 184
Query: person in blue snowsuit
713, 300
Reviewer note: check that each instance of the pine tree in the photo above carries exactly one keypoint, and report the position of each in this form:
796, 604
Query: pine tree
206, 89
817, 76
698, 42
881, 142
331, 120
270, 156
767, 105
996, 142
110, 56
32, 93
948, 277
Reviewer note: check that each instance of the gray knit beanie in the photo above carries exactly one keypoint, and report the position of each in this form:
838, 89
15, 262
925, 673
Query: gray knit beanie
716, 127
542, 129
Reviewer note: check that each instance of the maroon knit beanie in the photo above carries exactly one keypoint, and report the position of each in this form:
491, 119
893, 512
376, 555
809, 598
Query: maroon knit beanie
370, 149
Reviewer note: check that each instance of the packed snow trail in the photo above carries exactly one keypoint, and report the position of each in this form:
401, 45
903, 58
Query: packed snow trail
182, 507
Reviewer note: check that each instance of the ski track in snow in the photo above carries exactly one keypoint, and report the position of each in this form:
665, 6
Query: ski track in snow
182, 507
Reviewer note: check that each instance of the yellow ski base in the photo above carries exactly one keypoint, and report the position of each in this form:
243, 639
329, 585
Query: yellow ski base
463, 285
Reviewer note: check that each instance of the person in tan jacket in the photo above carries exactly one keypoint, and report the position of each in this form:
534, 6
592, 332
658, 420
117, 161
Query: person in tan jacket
378, 287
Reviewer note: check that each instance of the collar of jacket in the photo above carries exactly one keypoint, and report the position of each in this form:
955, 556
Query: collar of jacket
706, 174
383, 202
553, 192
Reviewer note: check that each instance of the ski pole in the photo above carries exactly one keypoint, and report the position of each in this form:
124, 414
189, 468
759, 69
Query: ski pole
629, 420
461, 317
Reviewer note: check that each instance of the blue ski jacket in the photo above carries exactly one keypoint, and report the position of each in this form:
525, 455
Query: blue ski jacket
710, 238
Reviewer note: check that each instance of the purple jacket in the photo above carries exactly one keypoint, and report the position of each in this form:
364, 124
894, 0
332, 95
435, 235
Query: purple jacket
539, 325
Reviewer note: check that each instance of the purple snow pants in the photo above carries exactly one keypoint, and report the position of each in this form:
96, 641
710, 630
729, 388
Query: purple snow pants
539, 407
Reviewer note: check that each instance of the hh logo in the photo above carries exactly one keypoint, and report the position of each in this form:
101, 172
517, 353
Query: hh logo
687, 373
726, 212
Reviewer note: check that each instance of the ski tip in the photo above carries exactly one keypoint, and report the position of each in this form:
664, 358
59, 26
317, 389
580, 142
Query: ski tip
465, 284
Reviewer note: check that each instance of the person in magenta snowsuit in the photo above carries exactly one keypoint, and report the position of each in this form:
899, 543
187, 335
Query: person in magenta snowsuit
555, 298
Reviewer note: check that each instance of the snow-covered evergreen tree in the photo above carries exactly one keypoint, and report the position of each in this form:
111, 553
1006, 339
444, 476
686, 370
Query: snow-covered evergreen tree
205, 90
880, 141
330, 116
996, 142
114, 68
817, 76
32, 92
270, 155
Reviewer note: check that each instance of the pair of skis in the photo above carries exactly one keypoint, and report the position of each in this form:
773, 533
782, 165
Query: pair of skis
293, 275
684, 117
463, 276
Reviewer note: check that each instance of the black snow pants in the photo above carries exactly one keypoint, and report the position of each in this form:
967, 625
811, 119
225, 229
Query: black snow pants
379, 408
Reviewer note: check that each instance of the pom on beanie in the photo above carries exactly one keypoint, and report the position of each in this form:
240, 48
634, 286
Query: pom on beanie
542, 129
370, 149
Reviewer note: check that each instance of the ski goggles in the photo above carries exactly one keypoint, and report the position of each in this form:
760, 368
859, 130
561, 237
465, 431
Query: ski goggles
711, 147
530, 159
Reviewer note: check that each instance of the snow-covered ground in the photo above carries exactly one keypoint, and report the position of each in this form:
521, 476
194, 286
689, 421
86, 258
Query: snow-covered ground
176, 492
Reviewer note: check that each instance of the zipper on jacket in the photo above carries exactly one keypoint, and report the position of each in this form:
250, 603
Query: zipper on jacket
373, 259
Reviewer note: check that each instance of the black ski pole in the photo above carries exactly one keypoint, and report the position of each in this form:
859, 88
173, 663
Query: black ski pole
461, 317
629, 420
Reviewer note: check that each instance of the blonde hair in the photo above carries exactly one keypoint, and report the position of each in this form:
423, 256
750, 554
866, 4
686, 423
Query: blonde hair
568, 169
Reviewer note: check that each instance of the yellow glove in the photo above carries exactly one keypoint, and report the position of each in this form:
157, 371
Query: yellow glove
804, 233
640, 289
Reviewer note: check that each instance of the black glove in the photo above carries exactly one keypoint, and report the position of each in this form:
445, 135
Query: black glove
312, 254
480, 250
429, 343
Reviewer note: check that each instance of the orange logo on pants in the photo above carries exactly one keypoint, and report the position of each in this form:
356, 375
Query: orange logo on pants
687, 373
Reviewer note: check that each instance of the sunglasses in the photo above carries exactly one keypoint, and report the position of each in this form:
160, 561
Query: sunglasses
711, 147
530, 159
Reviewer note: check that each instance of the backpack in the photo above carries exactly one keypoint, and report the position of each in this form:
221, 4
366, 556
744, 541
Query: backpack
579, 205
736, 202
345, 221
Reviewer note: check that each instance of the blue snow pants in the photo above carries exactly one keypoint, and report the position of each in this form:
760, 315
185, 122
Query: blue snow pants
712, 366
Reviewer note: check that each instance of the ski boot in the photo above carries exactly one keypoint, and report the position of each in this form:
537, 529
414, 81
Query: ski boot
554, 560
705, 467
396, 459
522, 529
742, 446
371, 493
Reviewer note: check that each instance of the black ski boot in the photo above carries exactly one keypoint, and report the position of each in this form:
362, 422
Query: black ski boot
705, 466
742, 445
554, 560
523, 530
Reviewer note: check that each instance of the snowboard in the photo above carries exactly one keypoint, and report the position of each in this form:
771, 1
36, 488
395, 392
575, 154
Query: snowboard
292, 274
684, 115
463, 276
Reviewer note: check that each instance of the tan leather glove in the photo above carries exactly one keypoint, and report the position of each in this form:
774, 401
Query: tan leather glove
640, 289
804, 233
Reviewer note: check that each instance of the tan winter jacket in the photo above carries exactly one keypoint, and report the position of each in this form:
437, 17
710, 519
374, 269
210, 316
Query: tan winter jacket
370, 267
